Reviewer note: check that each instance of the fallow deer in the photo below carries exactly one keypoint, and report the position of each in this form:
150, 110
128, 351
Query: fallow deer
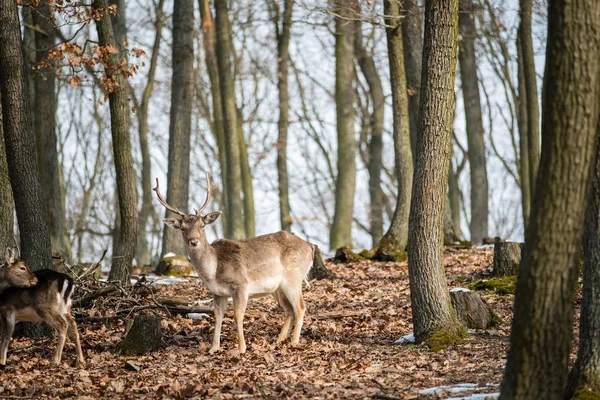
15, 273
35, 297
275, 264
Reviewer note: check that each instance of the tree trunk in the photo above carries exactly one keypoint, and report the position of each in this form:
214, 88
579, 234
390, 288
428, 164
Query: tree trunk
584, 378
20, 143
318, 270
412, 32
7, 207
249, 225
533, 114
542, 326
472, 310
396, 237
235, 218
180, 125
143, 336
470, 87
208, 32
523, 138
507, 258
119, 24
454, 199
283, 58
124, 253
432, 309
341, 230
369, 71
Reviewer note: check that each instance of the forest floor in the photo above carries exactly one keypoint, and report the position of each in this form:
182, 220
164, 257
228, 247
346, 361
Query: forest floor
338, 357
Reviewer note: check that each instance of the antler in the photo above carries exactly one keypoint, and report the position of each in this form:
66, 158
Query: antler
164, 203
208, 193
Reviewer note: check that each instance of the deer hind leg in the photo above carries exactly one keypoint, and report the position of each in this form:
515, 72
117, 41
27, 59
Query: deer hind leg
219, 312
74, 336
6, 330
294, 296
289, 315
240, 300
60, 324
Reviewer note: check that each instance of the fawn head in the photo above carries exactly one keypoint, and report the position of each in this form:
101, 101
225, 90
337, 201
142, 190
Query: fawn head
191, 225
15, 272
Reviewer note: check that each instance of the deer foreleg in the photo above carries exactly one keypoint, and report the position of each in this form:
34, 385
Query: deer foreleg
240, 300
219, 312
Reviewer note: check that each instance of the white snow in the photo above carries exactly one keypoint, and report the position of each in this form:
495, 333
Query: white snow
197, 315
477, 396
485, 246
461, 387
170, 254
410, 338
459, 289
166, 281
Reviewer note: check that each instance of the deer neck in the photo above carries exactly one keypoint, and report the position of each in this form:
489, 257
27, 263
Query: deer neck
3, 284
204, 260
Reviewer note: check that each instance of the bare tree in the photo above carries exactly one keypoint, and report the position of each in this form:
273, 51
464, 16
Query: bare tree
7, 207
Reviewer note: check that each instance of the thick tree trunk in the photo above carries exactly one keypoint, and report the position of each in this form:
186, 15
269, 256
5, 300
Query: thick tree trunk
20, 143
396, 237
283, 59
119, 24
126, 182
143, 254
7, 207
412, 32
432, 309
523, 138
235, 218
542, 326
369, 71
208, 32
341, 230
44, 109
475, 134
180, 126
533, 114
585, 375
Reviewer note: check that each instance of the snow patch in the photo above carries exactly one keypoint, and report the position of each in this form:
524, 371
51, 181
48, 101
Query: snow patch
197, 315
477, 396
459, 289
166, 281
410, 338
169, 254
485, 246
461, 387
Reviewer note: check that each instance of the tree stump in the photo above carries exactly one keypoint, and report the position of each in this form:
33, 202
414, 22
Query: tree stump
472, 311
174, 266
319, 270
144, 335
507, 257
345, 255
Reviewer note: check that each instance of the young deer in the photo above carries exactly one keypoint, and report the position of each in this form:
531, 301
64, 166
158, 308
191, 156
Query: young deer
15, 273
49, 300
275, 264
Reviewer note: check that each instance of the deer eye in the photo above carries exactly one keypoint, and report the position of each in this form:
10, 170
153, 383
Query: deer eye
22, 268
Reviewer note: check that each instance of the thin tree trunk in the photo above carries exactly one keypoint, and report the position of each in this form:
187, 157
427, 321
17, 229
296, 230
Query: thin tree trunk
143, 253
533, 114
180, 125
283, 59
369, 71
412, 32
473, 115
119, 24
249, 224
341, 231
20, 143
126, 181
235, 221
584, 379
524, 169
430, 299
208, 31
454, 199
7, 207
542, 326
396, 237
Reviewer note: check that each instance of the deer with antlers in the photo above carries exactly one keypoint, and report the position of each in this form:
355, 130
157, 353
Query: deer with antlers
275, 264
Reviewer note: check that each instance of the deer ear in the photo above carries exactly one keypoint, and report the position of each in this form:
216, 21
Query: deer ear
9, 256
174, 223
212, 217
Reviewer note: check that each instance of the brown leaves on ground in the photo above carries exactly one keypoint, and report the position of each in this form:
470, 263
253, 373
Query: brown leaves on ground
338, 357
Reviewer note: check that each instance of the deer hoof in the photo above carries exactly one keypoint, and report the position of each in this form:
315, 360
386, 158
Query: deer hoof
213, 350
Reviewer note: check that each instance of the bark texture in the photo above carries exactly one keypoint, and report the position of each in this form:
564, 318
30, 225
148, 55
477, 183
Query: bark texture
124, 252
19, 140
143, 336
247, 186
523, 138
529, 74
235, 218
180, 125
396, 237
472, 310
283, 59
542, 327
341, 230
585, 375
7, 207
412, 32
475, 134
507, 258
430, 299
